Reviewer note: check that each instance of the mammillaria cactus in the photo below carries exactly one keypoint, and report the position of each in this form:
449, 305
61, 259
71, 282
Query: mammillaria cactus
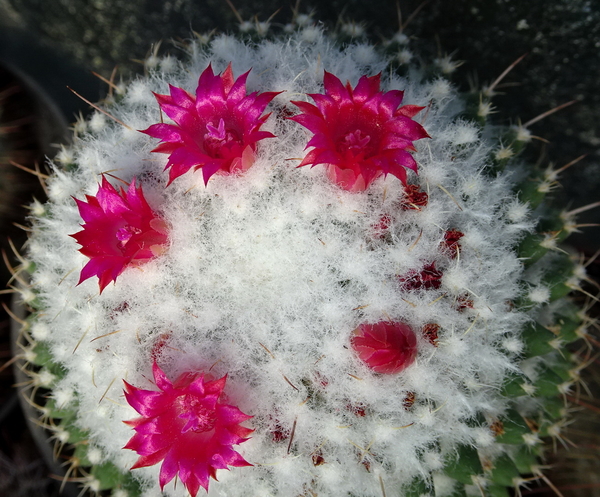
388, 321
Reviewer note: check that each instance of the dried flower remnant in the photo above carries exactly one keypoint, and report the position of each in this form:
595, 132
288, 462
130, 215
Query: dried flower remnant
450, 245
381, 229
414, 198
428, 278
216, 130
497, 428
279, 433
385, 347
120, 230
430, 332
357, 408
318, 459
409, 400
187, 426
360, 133
464, 302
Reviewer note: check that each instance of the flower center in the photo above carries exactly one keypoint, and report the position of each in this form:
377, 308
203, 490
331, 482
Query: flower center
218, 141
125, 234
354, 142
199, 418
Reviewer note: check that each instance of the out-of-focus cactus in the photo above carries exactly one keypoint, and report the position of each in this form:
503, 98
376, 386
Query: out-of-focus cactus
28, 125
390, 318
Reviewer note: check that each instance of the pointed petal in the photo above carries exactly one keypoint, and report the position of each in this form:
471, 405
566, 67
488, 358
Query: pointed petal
168, 469
409, 110
334, 87
209, 169
307, 108
181, 97
228, 80
390, 101
366, 88
160, 378
235, 91
402, 158
165, 132
150, 460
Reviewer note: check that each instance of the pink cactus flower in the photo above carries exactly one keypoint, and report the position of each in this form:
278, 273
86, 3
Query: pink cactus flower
360, 133
188, 427
216, 130
120, 230
386, 347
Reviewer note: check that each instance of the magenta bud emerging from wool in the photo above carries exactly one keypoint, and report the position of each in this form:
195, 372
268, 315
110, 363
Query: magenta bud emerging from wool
120, 230
360, 133
385, 347
187, 426
215, 130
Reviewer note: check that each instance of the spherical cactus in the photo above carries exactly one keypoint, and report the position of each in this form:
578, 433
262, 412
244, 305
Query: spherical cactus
315, 266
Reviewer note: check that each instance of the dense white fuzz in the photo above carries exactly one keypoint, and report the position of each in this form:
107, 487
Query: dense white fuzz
268, 273
97, 122
539, 294
40, 331
443, 485
64, 155
45, 378
513, 345
404, 56
62, 396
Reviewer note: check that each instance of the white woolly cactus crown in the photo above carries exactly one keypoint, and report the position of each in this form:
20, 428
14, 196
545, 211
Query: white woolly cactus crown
267, 273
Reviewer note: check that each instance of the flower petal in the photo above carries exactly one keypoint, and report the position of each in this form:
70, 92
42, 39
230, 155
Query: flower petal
192, 431
361, 132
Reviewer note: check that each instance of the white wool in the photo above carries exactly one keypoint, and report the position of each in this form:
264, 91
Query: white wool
539, 294
97, 122
444, 485
311, 34
45, 378
63, 396
64, 155
364, 54
94, 455
268, 273
513, 345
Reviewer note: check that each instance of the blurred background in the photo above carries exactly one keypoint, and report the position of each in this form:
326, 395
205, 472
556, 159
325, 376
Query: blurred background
46, 46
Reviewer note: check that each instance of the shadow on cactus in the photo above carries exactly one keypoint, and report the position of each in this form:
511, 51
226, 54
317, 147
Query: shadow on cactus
390, 321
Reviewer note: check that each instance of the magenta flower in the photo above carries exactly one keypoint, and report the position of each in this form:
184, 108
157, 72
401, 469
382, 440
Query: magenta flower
120, 230
188, 427
217, 130
360, 133
386, 347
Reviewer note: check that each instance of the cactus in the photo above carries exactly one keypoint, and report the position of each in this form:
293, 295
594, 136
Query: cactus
326, 288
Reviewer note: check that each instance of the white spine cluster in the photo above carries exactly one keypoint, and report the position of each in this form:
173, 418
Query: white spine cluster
268, 273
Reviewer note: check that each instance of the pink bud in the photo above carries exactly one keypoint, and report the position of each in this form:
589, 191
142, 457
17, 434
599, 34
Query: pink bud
386, 347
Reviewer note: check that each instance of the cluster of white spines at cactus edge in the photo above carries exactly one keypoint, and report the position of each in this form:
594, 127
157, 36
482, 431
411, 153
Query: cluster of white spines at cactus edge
267, 272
